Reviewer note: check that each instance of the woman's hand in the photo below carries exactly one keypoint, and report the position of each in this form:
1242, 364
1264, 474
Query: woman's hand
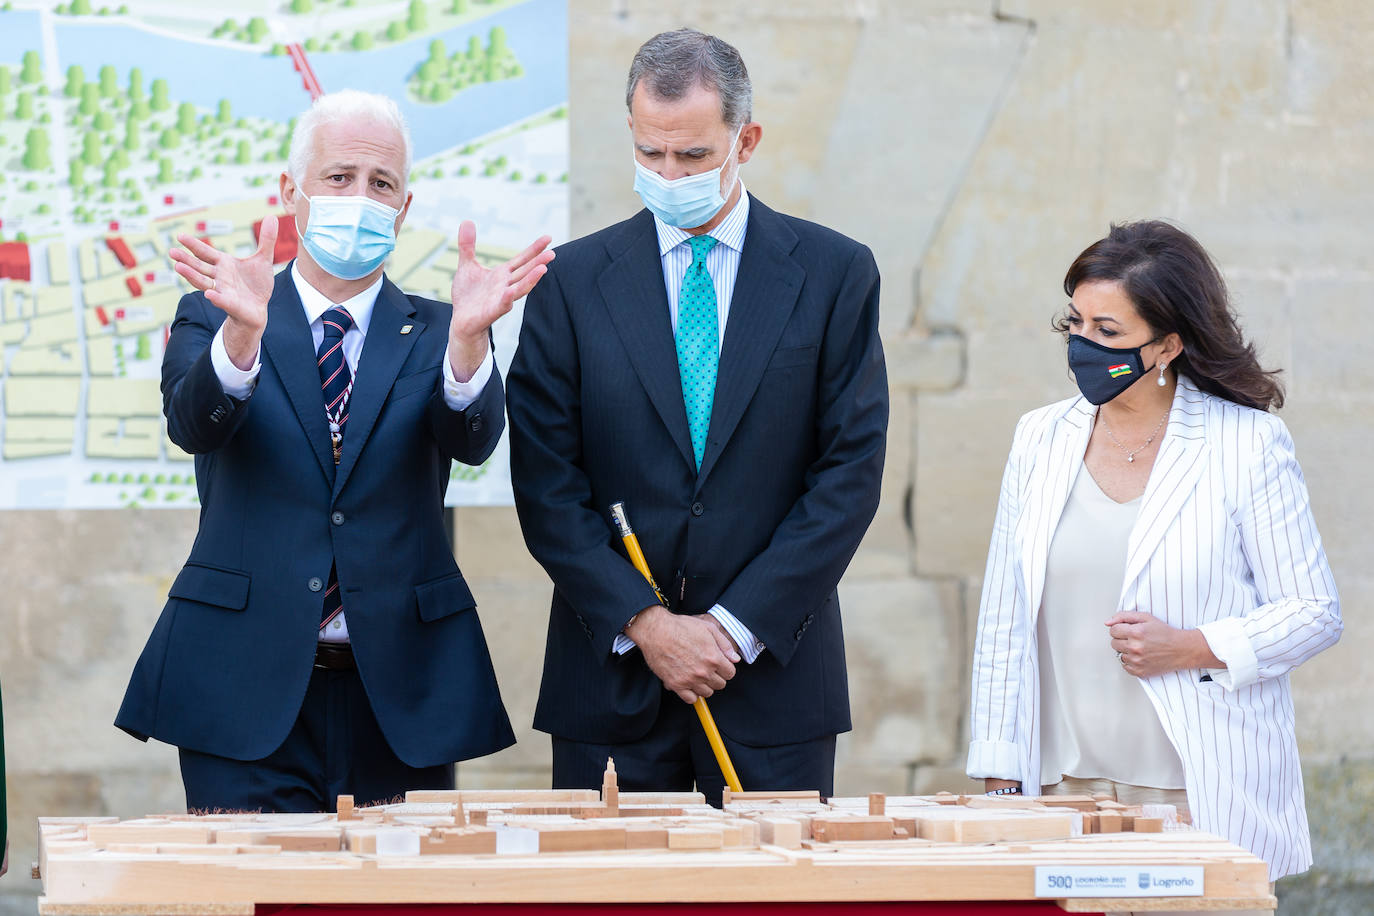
992, 785
1147, 646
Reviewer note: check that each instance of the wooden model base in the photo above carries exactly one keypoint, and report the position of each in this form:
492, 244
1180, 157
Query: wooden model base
626, 847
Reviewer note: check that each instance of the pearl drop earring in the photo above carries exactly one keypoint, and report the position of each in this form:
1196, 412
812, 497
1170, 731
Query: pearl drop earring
1162, 367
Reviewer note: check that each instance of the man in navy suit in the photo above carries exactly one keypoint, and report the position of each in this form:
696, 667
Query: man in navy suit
716, 366
320, 639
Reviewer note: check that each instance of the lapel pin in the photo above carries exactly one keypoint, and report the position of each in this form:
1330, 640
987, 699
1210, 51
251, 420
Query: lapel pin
405, 328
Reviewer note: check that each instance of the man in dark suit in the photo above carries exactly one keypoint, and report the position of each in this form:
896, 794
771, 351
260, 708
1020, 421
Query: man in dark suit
716, 366
320, 638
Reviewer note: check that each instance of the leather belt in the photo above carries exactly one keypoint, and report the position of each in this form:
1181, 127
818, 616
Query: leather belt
334, 656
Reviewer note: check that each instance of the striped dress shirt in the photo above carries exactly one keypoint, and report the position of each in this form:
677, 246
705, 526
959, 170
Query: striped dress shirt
722, 263
1225, 543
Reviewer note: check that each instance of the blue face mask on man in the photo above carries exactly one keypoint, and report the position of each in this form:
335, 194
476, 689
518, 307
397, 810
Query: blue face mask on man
349, 236
685, 202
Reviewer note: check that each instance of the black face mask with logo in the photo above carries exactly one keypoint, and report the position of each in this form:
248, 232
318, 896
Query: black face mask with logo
1102, 372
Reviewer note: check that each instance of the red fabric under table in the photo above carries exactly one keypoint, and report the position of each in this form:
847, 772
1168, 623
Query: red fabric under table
918, 908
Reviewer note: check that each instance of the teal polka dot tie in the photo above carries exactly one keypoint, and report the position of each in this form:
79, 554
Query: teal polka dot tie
698, 343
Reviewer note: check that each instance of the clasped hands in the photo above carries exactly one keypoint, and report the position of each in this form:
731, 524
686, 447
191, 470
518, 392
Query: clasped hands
1147, 646
690, 653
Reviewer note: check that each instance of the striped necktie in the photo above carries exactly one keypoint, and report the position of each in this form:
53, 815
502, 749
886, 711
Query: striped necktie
337, 381
698, 343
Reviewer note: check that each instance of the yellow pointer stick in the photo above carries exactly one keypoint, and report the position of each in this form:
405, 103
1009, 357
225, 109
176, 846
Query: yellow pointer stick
708, 724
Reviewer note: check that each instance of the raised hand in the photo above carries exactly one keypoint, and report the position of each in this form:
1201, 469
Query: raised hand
483, 294
241, 287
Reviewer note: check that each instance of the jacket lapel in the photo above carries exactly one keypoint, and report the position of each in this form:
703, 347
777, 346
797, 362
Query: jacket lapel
766, 289
1060, 454
384, 352
1178, 466
632, 287
287, 344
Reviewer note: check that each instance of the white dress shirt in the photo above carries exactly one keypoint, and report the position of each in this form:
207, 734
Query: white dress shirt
722, 263
239, 383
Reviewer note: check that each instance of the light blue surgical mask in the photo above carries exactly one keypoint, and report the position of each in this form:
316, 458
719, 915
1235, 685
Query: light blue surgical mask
349, 236
685, 202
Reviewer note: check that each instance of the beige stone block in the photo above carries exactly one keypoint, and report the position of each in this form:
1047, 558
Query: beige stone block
929, 362
515, 614
907, 669
885, 551
1333, 435
928, 780
1056, 166
1331, 711
1322, 361
1261, 17
490, 544
962, 440
918, 97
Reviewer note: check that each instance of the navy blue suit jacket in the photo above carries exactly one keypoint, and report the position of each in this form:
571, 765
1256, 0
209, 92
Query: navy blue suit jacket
227, 665
787, 487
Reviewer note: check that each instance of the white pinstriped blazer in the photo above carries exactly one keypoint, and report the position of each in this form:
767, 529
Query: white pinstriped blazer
1224, 542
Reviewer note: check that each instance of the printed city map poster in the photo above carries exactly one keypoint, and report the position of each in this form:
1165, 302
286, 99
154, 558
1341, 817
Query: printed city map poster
123, 124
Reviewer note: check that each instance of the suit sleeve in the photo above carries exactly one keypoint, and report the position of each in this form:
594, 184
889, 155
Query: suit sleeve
569, 536
813, 545
469, 435
201, 417
1299, 612
999, 650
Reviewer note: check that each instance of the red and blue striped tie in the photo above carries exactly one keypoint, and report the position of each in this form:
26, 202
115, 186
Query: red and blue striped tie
337, 381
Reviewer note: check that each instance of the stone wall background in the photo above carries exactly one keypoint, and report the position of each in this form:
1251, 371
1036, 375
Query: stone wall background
976, 146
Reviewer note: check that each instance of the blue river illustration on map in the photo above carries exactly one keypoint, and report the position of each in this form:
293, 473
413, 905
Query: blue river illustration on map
260, 85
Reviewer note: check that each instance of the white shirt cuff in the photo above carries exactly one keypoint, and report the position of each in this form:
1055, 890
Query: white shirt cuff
995, 760
1228, 642
749, 646
460, 395
236, 382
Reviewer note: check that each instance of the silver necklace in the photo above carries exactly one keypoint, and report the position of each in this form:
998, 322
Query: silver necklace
1131, 453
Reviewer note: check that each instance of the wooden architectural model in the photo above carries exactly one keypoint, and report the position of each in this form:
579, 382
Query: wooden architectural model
612, 846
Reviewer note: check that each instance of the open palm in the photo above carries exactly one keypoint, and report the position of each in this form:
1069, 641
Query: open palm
241, 287
483, 294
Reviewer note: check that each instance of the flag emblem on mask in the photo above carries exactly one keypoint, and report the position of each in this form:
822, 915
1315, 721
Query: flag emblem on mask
1119, 370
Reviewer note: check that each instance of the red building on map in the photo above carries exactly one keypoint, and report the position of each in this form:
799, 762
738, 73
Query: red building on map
285, 248
121, 251
14, 261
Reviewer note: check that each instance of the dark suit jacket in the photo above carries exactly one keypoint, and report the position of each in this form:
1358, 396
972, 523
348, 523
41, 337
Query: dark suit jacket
227, 665
788, 484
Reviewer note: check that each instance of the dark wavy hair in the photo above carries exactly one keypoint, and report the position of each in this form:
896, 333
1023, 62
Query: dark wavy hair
1176, 287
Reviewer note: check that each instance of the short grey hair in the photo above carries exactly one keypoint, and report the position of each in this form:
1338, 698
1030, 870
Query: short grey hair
344, 105
671, 63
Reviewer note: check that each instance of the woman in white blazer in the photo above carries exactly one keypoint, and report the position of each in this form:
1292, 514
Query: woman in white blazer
1147, 595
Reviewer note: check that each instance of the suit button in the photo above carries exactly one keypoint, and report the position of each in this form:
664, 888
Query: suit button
475, 423
337, 518
809, 618
698, 510
315, 583
798, 635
